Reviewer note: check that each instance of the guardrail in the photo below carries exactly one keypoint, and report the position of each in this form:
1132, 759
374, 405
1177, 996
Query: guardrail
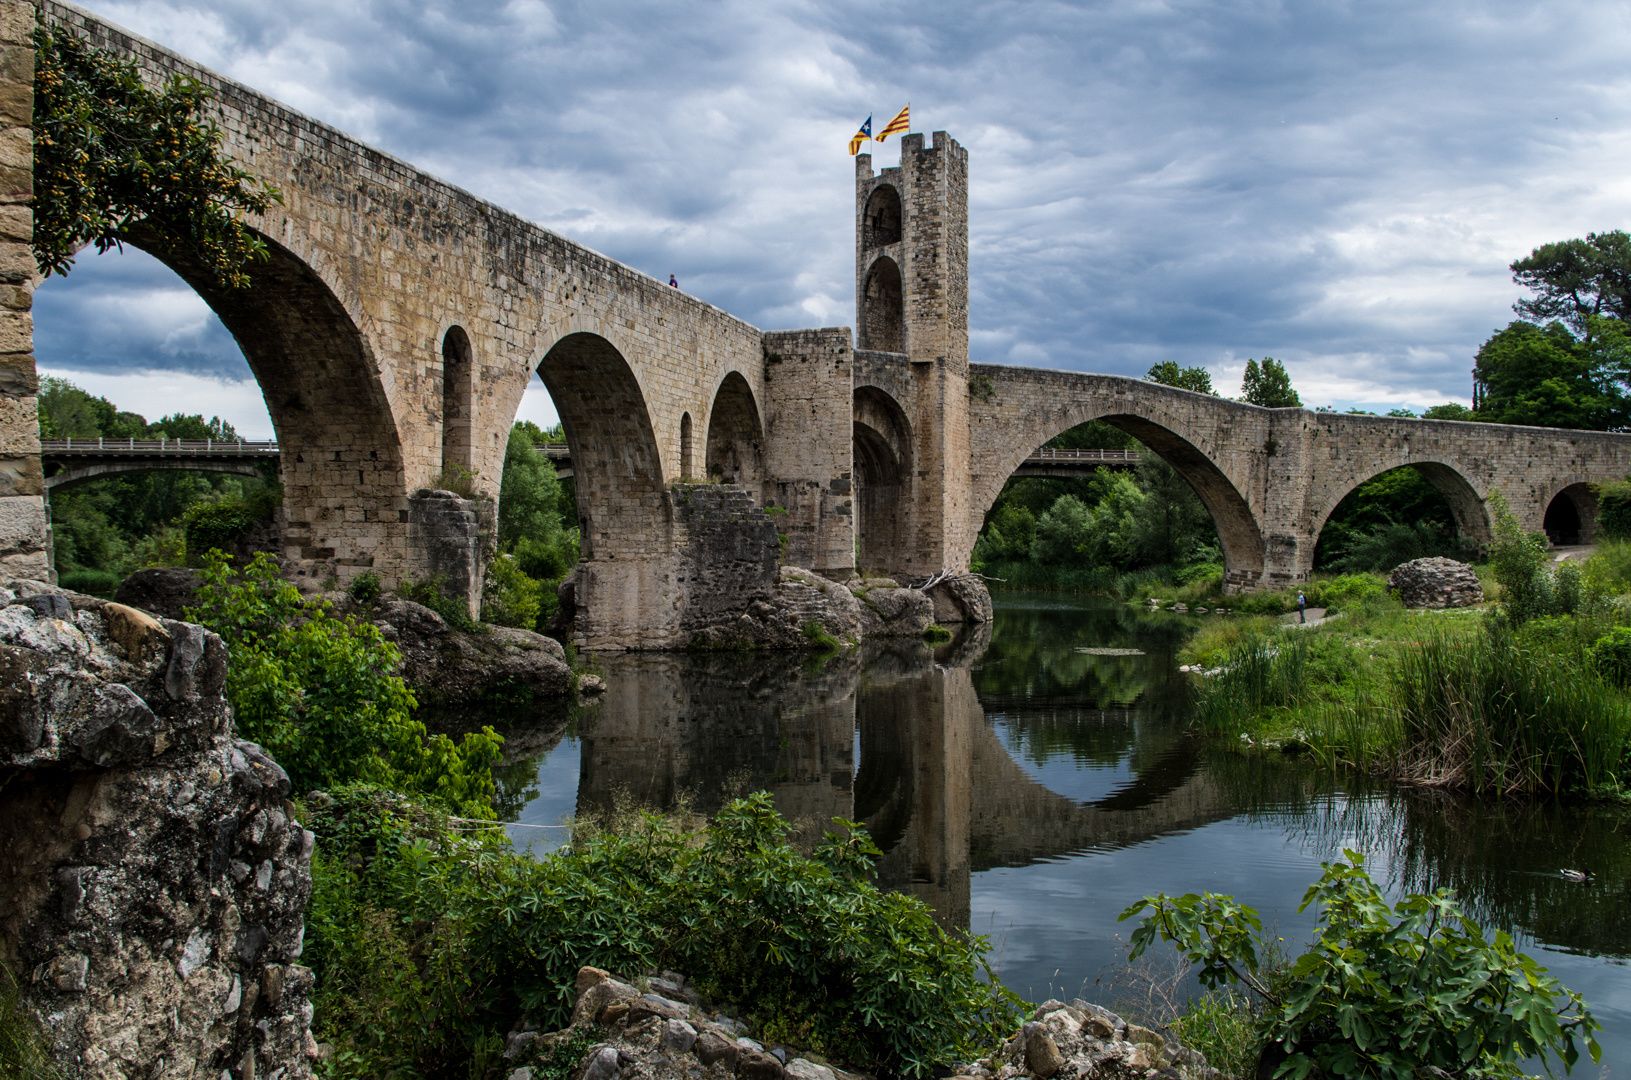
1117, 457
101, 447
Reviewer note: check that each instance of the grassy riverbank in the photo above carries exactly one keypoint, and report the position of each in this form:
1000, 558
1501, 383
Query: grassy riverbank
1526, 694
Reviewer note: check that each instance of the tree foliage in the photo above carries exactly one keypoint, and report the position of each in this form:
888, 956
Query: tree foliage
1268, 385
1385, 992
1577, 281
114, 156
322, 693
1168, 373
1545, 376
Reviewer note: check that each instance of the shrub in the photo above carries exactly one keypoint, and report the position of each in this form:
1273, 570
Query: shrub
1519, 561
1384, 991
365, 588
321, 694
214, 525
1614, 510
461, 937
1346, 592
509, 597
432, 593
1610, 656
101, 583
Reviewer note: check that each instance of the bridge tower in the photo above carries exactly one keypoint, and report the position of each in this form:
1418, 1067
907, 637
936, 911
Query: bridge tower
911, 449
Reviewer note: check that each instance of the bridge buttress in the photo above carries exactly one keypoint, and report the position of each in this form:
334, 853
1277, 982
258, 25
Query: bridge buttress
25, 539
809, 393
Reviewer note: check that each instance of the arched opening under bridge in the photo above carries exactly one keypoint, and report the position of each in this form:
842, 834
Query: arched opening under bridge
882, 469
1413, 511
735, 436
1571, 516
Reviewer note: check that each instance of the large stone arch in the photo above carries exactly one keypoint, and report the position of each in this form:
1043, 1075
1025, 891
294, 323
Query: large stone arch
1466, 504
1570, 515
342, 462
882, 470
736, 437
1239, 532
615, 460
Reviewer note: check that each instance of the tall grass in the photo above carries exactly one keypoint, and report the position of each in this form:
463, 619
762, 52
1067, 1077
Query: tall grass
1260, 674
1495, 716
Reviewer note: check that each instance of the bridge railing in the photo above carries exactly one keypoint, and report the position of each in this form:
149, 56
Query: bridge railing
553, 450
1108, 457
102, 447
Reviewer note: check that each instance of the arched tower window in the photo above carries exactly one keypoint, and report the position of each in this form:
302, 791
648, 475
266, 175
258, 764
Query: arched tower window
458, 400
883, 324
880, 224
687, 449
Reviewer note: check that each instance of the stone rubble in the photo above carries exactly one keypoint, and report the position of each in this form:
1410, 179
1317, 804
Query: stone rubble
665, 1033
154, 899
1436, 583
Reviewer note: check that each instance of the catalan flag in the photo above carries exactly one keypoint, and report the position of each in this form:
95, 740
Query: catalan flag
901, 123
860, 137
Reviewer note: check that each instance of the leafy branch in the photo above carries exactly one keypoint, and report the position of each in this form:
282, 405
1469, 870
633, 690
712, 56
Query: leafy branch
115, 158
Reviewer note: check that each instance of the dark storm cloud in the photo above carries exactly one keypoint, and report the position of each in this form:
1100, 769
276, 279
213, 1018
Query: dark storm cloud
1338, 185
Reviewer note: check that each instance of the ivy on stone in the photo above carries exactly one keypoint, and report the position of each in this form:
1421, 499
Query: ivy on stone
115, 157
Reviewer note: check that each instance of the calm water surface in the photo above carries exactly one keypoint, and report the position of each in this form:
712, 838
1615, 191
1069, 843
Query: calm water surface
1034, 778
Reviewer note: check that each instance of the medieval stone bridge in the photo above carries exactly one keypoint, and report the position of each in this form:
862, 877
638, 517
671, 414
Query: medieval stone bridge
400, 319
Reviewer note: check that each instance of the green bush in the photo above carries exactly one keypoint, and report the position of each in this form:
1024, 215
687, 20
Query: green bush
509, 597
91, 582
432, 593
1346, 592
1614, 510
428, 944
214, 525
1610, 656
1386, 992
365, 588
321, 694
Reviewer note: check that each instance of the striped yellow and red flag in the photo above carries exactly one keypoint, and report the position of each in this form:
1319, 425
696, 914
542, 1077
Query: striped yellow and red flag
901, 123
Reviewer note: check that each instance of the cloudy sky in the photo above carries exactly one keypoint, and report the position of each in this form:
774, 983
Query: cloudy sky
1340, 185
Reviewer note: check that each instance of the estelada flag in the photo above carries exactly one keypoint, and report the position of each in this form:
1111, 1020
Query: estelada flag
860, 137
903, 122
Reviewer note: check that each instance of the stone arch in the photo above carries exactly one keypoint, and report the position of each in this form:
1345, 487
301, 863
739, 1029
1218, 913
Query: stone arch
615, 464
882, 472
881, 222
687, 449
1466, 505
341, 447
1571, 515
458, 400
883, 320
1244, 551
735, 437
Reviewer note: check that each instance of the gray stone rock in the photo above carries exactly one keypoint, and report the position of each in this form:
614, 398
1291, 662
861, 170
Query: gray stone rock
1436, 583
895, 612
714, 1046
600, 1064
1042, 1054
161, 590
516, 1043
757, 1065
961, 599
678, 1035
799, 1069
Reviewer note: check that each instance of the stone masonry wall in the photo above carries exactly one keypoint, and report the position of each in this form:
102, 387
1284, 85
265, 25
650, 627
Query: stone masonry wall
809, 402
24, 539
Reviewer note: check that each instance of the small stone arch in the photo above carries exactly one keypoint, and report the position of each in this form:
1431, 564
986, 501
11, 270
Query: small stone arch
883, 319
1472, 522
735, 446
687, 449
458, 401
615, 464
881, 222
881, 473
1571, 516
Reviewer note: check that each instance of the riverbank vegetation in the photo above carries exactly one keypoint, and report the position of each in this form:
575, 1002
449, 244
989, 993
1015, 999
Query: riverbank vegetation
1528, 695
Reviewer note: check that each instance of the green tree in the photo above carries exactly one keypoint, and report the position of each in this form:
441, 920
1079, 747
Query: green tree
1450, 410
1168, 373
530, 505
1576, 281
1545, 376
1170, 524
1268, 385
115, 159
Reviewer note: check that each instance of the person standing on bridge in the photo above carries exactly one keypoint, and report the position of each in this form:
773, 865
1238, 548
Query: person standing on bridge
674, 281
1302, 607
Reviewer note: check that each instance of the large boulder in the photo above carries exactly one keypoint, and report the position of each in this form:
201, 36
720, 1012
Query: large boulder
445, 666
1436, 583
156, 880
163, 590
961, 599
890, 611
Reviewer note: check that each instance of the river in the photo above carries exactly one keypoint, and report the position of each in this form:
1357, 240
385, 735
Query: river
1034, 777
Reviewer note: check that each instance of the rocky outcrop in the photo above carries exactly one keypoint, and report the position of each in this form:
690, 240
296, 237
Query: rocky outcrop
961, 599
446, 666
666, 1033
155, 888
807, 609
163, 590
887, 610
1436, 583
1082, 1041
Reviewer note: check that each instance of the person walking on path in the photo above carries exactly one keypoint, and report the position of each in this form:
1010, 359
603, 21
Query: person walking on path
1302, 607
